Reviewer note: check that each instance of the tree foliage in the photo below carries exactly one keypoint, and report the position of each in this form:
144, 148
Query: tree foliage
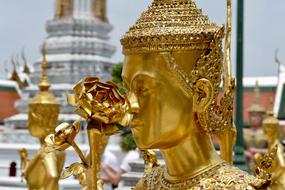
117, 78
116, 73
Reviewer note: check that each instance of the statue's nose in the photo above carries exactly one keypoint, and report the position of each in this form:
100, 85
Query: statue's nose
134, 105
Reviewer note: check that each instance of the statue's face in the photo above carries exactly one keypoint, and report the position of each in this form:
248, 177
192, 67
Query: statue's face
42, 120
163, 110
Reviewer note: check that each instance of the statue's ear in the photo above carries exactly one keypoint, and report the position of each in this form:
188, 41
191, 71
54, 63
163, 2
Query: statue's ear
203, 95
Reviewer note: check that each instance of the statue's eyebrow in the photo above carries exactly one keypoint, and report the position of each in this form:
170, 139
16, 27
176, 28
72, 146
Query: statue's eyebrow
137, 77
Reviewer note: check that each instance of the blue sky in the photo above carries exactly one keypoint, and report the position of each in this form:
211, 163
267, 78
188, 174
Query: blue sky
22, 25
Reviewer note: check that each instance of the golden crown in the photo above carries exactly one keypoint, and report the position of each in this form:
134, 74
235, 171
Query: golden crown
170, 25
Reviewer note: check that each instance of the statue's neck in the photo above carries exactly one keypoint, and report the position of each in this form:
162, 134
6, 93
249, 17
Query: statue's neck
193, 155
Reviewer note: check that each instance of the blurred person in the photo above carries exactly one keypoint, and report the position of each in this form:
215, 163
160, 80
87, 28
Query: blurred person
128, 146
108, 160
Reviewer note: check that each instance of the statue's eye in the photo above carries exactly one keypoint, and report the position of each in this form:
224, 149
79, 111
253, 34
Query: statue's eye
141, 91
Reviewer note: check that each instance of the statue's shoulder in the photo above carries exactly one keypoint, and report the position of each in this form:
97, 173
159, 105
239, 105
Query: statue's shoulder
222, 177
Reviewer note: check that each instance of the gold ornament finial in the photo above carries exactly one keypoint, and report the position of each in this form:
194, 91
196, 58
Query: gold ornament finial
227, 58
44, 83
227, 137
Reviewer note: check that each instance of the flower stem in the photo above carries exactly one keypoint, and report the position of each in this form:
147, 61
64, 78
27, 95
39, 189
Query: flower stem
95, 138
79, 152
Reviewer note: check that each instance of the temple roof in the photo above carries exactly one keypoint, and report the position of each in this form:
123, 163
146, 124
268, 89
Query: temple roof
9, 94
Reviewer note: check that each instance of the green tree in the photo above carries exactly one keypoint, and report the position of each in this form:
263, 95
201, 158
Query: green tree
117, 78
116, 73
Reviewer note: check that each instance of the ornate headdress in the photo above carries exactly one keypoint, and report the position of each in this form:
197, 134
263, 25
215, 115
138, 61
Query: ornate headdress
176, 26
170, 25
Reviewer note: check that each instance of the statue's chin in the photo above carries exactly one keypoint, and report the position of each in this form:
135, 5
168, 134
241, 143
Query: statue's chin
144, 143
160, 142
147, 143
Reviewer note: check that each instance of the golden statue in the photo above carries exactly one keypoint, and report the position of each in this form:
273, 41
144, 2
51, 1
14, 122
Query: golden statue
42, 172
172, 72
271, 130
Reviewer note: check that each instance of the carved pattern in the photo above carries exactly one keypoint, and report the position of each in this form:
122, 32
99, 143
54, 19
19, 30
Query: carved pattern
218, 115
221, 176
170, 26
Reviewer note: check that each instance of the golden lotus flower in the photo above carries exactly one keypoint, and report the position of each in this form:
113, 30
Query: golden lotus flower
100, 103
63, 137
76, 169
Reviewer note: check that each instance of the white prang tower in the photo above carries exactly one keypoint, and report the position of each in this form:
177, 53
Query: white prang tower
77, 43
76, 47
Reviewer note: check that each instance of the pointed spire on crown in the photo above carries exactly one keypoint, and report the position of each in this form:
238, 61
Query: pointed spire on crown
44, 83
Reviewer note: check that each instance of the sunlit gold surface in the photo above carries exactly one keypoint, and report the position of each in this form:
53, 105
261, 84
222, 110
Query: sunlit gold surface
227, 137
220, 176
172, 72
62, 138
101, 104
104, 109
42, 172
271, 130
264, 164
166, 117
169, 26
150, 160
